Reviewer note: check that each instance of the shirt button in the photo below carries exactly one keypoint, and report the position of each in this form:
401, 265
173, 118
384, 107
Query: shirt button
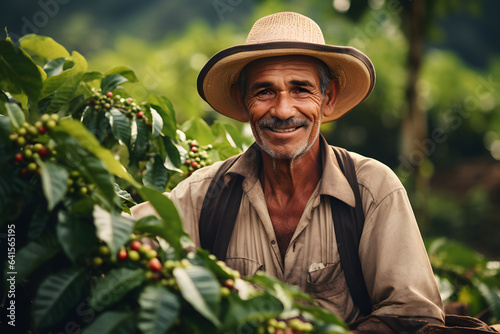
273, 242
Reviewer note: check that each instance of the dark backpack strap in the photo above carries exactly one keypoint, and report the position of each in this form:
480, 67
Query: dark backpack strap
348, 223
219, 211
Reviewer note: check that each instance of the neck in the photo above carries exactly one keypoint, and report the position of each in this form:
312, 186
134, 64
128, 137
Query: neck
285, 179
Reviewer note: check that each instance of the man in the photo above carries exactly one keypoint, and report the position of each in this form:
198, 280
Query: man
286, 81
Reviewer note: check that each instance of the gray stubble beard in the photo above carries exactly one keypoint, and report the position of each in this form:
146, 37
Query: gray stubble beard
277, 155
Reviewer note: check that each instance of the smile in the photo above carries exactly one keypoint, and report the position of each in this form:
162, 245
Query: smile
284, 130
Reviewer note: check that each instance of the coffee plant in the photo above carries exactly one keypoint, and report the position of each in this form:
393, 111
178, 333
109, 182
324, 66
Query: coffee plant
466, 278
76, 152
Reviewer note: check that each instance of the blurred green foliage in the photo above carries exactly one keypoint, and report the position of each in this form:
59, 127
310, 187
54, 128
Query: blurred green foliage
466, 277
171, 66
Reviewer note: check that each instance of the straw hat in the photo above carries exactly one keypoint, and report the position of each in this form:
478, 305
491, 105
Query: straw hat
282, 34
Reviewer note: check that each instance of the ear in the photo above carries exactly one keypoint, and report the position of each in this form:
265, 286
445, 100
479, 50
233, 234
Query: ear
331, 95
238, 101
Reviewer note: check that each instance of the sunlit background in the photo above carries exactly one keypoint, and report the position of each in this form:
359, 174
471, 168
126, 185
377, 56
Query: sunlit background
434, 116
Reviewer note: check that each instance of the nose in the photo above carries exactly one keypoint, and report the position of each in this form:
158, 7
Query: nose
283, 107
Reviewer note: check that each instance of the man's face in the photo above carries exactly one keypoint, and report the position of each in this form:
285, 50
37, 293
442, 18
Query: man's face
284, 104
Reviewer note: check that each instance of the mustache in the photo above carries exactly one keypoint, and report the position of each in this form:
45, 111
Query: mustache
277, 123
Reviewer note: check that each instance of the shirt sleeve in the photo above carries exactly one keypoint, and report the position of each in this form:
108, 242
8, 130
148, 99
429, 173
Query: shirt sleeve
395, 264
182, 196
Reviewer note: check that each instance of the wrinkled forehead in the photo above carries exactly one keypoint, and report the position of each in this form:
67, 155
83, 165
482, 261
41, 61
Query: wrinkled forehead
300, 60
291, 64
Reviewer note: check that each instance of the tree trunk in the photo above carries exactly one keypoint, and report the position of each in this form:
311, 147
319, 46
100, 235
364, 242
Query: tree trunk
414, 134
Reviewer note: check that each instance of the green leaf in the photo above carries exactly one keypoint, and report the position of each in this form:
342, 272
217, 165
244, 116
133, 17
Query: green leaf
18, 72
73, 155
76, 234
90, 143
127, 200
453, 255
159, 146
159, 309
74, 69
203, 258
111, 82
95, 172
90, 76
323, 320
157, 122
219, 132
139, 139
96, 123
64, 93
120, 126
112, 228
196, 128
35, 254
237, 136
445, 287
125, 72
57, 295
259, 308
43, 46
54, 67
228, 133
166, 110
155, 175
200, 289
5, 126
166, 209
68, 82
224, 150
490, 294
286, 294
40, 218
112, 322
54, 182
16, 115
150, 224
111, 288
472, 297
173, 158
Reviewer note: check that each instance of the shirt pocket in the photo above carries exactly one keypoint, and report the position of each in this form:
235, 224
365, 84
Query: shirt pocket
246, 267
327, 281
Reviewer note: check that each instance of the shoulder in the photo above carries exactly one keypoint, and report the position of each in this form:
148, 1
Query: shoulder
375, 178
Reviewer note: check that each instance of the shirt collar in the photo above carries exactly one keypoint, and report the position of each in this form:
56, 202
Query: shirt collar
332, 183
248, 165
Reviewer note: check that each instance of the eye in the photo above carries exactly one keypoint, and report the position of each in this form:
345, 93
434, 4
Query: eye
301, 90
263, 92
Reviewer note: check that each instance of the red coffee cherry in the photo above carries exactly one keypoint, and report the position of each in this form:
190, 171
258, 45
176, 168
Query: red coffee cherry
155, 264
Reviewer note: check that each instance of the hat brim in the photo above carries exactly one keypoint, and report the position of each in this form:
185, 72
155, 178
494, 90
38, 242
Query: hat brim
352, 68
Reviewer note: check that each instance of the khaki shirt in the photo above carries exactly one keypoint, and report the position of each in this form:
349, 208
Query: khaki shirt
395, 265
